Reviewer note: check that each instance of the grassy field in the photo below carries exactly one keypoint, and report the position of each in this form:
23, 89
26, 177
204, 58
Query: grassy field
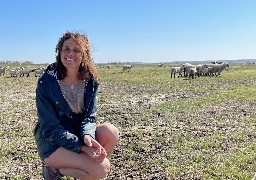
202, 128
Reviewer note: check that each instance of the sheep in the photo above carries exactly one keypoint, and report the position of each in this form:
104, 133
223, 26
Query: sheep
192, 72
187, 67
217, 68
161, 64
200, 68
211, 69
175, 70
221, 67
108, 67
15, 72
25, 70
206, 71
127, 68
38, 71
2, 70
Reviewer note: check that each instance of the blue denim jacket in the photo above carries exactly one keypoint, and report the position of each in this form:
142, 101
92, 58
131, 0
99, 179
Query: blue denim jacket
57, 125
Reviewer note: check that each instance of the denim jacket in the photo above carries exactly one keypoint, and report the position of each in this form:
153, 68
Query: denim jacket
57, 125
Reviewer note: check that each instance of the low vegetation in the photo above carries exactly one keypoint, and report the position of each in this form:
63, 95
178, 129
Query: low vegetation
203, 128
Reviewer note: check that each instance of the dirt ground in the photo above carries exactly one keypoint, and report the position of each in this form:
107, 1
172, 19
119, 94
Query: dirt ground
145, 142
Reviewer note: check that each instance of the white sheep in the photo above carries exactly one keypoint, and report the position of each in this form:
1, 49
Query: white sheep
175, 70
192, 72
217, 68
222, 67
15, 72
38, 71
200, 68
161, 64
2, 70
187, 67
206, 71
127, 68
25, 70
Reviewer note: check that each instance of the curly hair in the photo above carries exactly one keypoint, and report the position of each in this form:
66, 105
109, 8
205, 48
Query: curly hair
87, 68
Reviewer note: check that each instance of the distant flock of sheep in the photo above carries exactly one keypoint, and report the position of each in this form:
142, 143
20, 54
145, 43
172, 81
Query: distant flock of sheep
190, 70
185, 70
127, 67
193, 71
22, 71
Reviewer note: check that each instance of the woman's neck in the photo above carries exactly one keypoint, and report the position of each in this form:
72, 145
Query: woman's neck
71, 77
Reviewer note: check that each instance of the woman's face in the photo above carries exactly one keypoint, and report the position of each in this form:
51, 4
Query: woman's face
71, 54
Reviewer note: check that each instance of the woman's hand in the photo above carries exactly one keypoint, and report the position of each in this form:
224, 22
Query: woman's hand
94, 150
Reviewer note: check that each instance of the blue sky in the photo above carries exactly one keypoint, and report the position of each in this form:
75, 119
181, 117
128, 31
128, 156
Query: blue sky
132, 30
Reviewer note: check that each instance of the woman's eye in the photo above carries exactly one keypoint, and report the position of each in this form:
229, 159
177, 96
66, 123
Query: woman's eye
77, 51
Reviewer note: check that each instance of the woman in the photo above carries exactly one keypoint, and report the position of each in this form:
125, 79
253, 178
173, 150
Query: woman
68, 140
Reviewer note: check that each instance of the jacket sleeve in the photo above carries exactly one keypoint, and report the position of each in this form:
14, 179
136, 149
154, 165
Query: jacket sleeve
88, 124
49, 123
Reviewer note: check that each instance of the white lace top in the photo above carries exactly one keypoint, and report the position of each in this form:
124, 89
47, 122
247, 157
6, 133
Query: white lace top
74, 94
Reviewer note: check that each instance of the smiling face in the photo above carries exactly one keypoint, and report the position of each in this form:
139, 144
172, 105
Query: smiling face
73, 57
71, 54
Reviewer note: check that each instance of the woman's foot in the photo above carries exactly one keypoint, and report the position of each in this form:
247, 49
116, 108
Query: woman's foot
51, 173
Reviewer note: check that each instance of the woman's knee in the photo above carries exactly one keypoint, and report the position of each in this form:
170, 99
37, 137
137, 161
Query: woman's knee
116, 132
110, 130
96, 170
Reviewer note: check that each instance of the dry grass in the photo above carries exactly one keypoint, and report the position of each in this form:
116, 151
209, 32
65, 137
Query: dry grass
171, 128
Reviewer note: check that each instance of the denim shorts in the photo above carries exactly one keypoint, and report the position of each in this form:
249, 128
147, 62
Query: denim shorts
44, 147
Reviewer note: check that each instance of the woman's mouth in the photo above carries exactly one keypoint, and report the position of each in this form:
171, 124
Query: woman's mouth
70, 60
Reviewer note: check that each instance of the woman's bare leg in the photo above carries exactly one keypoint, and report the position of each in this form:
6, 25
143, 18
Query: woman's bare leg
107, 135
75, 173
66, 160
80, 165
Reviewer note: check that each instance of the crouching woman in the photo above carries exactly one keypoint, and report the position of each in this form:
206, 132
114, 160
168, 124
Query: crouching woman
68, 140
